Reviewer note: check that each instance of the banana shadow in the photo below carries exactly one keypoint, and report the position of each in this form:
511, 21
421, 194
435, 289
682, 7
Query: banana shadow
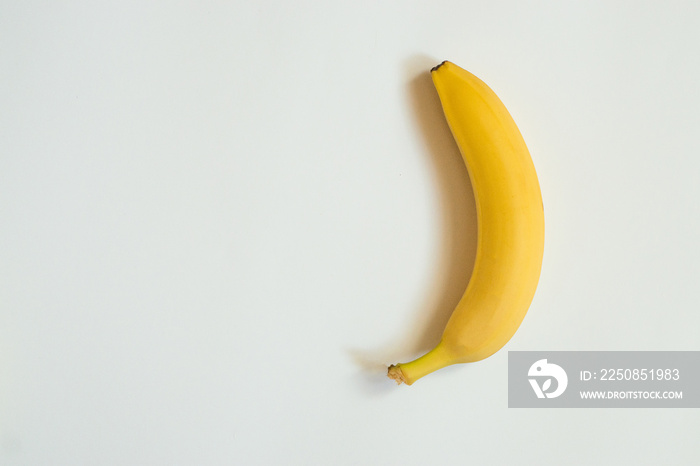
458, 241
458, 209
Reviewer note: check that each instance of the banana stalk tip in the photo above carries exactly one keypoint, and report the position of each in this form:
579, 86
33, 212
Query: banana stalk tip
396, 374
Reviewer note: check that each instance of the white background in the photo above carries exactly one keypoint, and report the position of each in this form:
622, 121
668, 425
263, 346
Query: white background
222, 220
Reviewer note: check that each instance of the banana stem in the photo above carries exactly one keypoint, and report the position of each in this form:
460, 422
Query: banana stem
409, 372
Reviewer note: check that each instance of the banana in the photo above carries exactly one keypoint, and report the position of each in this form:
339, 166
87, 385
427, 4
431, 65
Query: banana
510, 216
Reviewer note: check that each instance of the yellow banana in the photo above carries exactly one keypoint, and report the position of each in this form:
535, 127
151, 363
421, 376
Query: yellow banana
510, 216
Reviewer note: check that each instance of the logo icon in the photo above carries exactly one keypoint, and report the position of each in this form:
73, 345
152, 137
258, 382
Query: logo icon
546, 372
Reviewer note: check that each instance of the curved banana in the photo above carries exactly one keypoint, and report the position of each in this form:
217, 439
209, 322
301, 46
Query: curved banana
510, 218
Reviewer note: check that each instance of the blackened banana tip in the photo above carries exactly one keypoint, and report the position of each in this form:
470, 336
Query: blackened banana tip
434, 68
